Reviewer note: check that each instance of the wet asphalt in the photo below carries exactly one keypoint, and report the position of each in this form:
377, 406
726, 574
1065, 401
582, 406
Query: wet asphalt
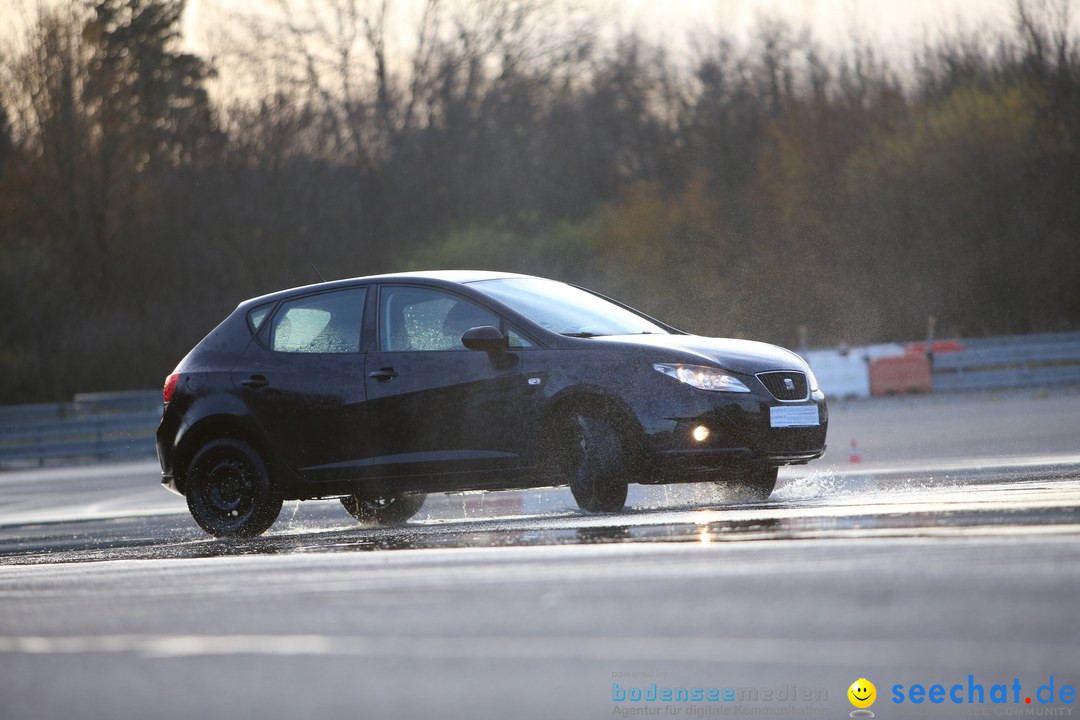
948, 555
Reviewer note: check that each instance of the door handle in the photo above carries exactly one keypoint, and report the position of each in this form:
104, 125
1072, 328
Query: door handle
385, 374
255, 382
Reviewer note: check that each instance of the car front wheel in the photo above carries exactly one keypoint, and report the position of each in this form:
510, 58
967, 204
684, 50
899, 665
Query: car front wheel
229, 491
591, 454
752, 485
385, 510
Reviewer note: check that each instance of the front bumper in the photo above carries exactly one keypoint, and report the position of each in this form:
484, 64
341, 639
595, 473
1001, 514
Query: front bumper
740, 435
678, 466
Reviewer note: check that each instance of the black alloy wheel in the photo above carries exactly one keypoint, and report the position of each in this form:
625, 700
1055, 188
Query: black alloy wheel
387, 510
591, 454
229, 490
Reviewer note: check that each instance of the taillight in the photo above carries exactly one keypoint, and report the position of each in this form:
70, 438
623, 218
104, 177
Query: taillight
170, 386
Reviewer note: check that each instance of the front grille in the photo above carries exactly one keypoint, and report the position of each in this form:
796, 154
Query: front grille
778, 384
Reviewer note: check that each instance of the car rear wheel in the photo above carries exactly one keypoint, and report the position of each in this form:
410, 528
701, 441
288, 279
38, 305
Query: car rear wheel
752, 485
385, 510
229, 491
591, 454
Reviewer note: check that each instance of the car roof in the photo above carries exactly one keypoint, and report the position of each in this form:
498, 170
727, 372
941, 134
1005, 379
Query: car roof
447, 277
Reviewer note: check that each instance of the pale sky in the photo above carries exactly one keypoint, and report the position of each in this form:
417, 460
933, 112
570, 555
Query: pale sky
891, 23
831, 20
893, 26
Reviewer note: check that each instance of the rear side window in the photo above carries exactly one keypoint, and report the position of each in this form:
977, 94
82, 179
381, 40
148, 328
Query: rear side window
324, 323
257, 315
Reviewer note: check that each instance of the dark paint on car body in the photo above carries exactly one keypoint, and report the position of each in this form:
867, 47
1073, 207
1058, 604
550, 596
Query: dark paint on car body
365, 389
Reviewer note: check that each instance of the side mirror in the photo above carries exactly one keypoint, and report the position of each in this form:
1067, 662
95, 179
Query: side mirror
485, 338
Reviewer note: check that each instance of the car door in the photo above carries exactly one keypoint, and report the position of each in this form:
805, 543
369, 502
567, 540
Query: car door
436, 406
303, 381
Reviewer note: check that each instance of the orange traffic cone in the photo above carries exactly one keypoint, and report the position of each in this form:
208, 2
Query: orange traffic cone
853, 456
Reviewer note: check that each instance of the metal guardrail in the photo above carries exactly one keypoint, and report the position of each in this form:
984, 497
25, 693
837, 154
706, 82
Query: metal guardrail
126, 401
1012, 361
95, 427
11, 415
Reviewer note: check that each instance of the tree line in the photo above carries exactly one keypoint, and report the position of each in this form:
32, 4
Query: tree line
740, 188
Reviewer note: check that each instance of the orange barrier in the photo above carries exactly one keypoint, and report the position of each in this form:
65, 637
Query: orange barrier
938, 346
900, 374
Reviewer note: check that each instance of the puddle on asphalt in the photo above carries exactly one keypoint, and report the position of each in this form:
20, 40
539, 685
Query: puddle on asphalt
702, 513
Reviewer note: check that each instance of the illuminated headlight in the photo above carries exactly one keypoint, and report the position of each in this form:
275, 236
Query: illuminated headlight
703, 377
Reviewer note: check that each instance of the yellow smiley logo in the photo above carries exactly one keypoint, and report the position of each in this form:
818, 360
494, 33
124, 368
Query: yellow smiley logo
862, 693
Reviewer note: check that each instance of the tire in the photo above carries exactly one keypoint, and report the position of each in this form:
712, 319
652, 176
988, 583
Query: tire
590, 453
229, 490
384, 511
753, 485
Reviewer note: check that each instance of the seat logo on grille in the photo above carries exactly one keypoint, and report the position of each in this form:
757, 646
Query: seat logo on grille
789, 383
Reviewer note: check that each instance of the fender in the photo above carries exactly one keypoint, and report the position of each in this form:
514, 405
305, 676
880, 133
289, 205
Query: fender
223, 415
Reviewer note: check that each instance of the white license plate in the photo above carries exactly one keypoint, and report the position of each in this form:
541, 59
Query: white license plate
793, 416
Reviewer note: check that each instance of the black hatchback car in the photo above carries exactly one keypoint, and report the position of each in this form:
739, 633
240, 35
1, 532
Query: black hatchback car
381, 389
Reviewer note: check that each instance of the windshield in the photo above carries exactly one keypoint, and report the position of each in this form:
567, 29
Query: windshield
566, 309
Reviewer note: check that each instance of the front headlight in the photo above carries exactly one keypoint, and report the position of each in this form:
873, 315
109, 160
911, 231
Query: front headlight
703, 377
812, 380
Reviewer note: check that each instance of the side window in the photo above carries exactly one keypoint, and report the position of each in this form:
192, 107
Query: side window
417, 319
257, 315
324, 323
515, 339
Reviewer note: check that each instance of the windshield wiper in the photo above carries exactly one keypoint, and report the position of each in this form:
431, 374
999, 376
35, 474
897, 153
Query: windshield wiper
582, 334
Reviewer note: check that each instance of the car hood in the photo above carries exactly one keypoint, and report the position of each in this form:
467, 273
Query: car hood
741, 356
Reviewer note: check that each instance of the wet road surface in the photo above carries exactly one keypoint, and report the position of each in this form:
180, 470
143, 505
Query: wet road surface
928, 562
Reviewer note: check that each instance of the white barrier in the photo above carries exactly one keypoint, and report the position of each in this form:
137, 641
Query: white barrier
845, 372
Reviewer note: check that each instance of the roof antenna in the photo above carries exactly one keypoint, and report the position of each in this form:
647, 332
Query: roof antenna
321, 278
